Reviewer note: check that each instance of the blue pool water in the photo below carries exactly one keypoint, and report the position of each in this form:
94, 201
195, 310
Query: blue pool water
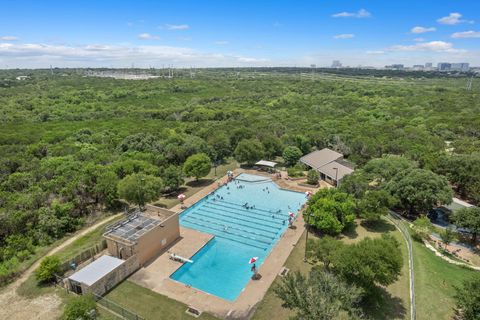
221, 267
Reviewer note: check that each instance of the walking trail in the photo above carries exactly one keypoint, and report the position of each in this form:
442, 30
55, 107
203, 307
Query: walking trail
15, 307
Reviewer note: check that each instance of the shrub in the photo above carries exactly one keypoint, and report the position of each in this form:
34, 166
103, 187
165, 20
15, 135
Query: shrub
80, 308
313, 176
48, 268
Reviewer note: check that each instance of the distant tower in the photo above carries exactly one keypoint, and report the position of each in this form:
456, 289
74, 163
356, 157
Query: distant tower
336, 64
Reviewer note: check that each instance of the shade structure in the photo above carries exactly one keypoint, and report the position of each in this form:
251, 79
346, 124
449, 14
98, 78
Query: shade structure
291, 214
252, 260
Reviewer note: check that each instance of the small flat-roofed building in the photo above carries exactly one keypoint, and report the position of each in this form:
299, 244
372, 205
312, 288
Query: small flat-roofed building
101, 275
143, 234
329, 163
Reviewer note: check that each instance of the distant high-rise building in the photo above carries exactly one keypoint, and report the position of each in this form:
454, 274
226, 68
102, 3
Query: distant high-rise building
418, 67
336, 64
462, 66
428, 65
444, 66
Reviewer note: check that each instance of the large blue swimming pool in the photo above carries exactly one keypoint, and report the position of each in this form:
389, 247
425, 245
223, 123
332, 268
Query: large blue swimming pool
247, 217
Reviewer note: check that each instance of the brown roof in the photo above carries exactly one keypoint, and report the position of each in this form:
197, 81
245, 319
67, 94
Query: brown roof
319, 158
328, 162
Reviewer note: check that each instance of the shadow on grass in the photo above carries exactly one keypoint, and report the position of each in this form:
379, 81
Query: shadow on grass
350, 232
380, 226
382, 305
199, 183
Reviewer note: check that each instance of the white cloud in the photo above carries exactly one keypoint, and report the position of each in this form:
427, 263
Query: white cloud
344, 36
362, 13
374, 52
147, 36
466, 34
422, 29
8, 38
419, 39
100, 55
221, 42
177, 26
435, 46
452, 19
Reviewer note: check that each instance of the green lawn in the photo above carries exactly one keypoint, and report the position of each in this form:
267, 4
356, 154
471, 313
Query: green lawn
149, 304
394, 300
435, 280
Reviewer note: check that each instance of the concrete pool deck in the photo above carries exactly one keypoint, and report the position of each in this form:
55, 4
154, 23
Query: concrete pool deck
156, 275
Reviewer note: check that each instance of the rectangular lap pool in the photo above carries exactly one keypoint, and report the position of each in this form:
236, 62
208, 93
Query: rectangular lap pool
247, 217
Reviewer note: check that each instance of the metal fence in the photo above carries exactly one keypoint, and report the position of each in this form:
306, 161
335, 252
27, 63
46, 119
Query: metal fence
117, 309
83, 256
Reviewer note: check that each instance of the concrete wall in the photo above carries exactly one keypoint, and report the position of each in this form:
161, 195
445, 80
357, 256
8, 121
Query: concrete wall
157, 239
111, 279
120, 249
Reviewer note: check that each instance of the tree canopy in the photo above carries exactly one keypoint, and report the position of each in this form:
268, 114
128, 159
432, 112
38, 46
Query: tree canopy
468, 218
140, 188
197, 165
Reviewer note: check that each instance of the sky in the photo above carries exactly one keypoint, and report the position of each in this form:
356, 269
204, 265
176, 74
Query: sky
237, 33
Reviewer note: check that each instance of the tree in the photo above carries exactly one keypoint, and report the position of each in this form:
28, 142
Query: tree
313, 176
447, 236
139, 188
330, 211
419, 190
249, 151
47, 269
468, 218
324, 249
355, 184
422, 227
467, 299
370, 262
291, 155
80, 307
384, 169
197, 165
374, 205
172, 177
320, 296
272, 145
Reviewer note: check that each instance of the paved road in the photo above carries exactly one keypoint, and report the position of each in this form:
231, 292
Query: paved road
396, 219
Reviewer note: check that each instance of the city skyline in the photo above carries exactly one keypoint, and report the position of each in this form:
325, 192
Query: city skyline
224, 34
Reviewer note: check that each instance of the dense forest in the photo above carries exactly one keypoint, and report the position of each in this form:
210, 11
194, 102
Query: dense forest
66, 140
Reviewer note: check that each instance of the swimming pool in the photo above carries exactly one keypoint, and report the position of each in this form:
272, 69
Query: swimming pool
247, 217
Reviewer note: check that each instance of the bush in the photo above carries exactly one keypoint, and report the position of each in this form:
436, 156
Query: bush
48, 268
80, 308
291, 154
295, 172
313, 176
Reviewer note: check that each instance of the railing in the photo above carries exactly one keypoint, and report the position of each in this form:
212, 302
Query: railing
117, 309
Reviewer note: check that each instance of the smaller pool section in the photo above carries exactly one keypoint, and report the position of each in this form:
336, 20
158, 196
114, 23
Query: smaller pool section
247, 217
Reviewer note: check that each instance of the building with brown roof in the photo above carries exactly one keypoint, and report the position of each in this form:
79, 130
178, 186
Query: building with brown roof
330, 164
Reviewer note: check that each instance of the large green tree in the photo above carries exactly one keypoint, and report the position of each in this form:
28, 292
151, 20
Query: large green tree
197, 165
419, 190
320, 296
249, 151
468, 218
324, 249
139, 188
370, 262
291, 154
375, 204
330, 211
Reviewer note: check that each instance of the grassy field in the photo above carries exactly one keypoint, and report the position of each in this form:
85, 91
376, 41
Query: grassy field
394, 302
435, 281
149, 304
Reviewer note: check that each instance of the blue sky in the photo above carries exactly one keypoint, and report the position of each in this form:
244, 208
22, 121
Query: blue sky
237, 33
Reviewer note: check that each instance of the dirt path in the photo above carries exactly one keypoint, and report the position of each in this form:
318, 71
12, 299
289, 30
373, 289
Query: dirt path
14, 306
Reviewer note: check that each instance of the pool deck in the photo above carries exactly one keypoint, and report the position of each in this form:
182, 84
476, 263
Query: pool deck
156, 275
